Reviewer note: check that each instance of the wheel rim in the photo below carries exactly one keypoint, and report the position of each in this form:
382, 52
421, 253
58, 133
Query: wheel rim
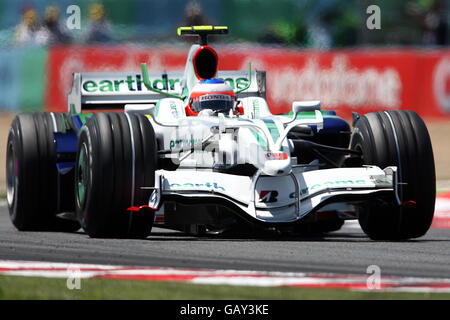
11, 175
82, 176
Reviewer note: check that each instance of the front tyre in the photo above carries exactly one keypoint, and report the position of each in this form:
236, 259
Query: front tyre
398, 138
116, 157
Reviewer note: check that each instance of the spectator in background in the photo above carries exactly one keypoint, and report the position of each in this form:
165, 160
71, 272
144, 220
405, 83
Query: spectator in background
28, 31
98, 28
432, 20
320, 34
53, 31
271, 35
436, 24
194, 15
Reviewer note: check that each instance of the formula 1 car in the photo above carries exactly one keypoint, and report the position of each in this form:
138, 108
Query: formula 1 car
200, 151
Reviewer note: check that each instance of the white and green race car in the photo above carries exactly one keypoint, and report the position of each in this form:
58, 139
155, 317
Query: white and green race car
200, 151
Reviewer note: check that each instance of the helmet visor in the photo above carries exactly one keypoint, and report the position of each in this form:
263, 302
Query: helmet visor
216, 102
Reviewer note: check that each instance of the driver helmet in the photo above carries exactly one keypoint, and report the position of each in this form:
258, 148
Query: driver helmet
212, 94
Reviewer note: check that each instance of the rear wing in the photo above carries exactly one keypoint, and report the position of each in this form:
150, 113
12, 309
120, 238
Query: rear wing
111, 91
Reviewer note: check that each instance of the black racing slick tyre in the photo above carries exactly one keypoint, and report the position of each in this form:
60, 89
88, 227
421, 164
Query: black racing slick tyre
31, 175
398, 138
116, 157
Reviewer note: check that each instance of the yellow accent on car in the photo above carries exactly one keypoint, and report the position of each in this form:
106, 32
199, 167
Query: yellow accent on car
180, 29
195, 29
203, 27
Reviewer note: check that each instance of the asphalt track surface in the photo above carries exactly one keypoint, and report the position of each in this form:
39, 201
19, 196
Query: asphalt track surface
347, 251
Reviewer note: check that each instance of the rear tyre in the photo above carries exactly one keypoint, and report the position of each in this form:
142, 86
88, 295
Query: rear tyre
116, 156
31, 175
398, 138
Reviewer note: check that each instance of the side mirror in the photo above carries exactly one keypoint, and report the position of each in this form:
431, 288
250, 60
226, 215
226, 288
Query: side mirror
304, 106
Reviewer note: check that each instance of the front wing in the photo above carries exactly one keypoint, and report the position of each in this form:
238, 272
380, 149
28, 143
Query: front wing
273, 199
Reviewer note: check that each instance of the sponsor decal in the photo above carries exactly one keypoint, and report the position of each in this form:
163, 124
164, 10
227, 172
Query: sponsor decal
383, 181
173, 109
341, 84
130, 83
183, 143
328, 184
189, 185
239, 83
134, 83
208, 97
256, 108
268, 196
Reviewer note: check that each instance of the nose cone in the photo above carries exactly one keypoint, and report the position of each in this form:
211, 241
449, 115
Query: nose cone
277, 167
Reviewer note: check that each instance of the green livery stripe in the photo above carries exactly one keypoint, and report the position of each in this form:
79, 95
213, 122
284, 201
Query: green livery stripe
261, 140
63, 129
308, 115
185, 94
72, 109
84, 117
157, 108
273, 130
272, 127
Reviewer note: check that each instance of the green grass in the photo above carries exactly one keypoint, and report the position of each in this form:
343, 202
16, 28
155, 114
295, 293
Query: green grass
16, 287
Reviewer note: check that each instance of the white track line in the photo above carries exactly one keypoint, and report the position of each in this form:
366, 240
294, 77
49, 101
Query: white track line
220, 277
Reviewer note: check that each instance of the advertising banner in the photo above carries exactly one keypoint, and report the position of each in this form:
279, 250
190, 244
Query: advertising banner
33, 79
22, 79
9, 80
353, 80
64, 61
362, 80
